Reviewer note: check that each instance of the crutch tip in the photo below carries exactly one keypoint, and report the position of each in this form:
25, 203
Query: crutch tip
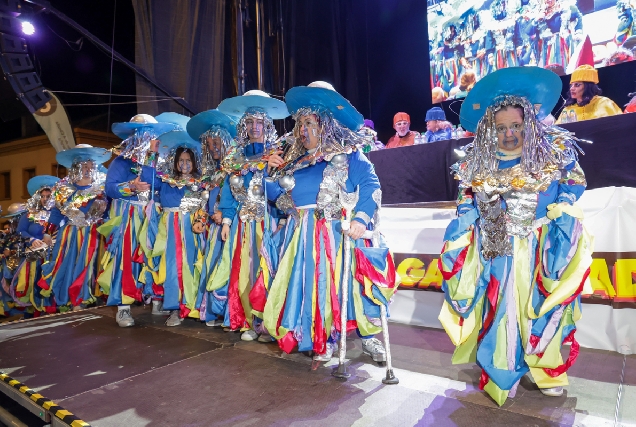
341, 372
390, 379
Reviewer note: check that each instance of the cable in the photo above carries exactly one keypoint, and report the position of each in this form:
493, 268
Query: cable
107, 94
112, 60
118, 103
79, 42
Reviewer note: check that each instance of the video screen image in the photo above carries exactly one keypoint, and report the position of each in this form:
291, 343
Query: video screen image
470, 38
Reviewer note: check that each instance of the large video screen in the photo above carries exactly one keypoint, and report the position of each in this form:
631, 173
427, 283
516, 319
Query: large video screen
470, 38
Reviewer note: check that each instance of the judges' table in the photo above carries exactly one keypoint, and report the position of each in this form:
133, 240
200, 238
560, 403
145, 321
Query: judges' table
421, 173
415, 235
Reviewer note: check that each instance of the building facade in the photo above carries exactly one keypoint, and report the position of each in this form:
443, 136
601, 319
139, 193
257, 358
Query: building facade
22, 159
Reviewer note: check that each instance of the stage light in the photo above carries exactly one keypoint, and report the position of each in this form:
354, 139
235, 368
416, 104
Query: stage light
28, 28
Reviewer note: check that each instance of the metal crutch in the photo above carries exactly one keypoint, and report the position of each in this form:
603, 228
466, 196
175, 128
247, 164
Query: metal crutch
348, 201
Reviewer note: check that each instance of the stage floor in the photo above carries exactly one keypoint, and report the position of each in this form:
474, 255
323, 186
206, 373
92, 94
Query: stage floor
152, 375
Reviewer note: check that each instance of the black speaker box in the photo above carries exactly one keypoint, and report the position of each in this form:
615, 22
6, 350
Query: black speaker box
24, 82
12, 44
15, 62
11, 7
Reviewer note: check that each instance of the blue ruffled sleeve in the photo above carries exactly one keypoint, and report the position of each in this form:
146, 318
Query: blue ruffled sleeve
23, 226
227, 204
117, 180
362, 174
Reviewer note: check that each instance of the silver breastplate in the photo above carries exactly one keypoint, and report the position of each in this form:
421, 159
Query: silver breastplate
503, 217
251, 199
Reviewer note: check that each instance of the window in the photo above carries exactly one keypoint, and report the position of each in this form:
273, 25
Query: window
58, 171
27, 174
5, 185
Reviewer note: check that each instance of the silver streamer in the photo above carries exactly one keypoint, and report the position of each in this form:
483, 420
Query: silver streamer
34, 203
542, 145
208, 164
75, 172
335, 138
243, 139
136, 146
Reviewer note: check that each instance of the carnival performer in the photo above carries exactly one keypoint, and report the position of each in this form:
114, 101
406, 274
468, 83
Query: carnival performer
584, 98
10, 243
180, 240
321, 173
39, 224
124, 262
244, 207
216, 132
71, 274
517, 258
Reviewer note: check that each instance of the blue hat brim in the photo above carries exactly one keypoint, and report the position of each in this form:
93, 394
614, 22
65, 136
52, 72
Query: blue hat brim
540, 86
41, 181
174, 118
202, 122
319, 98
177, 138
238, 105
96, 154
126, 129
14, 214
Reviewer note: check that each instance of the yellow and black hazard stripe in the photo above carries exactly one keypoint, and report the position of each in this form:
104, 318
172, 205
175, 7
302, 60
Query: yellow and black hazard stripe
48, 405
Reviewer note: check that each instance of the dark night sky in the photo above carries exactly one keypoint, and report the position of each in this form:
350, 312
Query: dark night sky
84, 69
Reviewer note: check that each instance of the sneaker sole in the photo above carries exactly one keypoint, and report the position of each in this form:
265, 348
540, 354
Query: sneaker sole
173, 324
376, 358
552, 394
126, 326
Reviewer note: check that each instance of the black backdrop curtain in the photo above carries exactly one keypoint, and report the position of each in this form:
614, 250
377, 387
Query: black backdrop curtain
182, 44
374, 52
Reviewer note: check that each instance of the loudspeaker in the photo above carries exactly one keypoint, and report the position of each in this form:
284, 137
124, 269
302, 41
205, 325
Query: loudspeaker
15, 62
36, 99
11, 7
11, 106
24, 82
9, 24
12, 44
21, 90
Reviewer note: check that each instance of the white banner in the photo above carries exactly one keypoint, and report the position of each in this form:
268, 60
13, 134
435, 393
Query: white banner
54, 120
415, 236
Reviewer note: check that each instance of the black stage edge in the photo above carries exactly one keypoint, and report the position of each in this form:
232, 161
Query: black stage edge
421, 173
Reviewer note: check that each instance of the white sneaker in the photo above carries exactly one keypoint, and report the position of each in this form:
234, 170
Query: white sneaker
215, 322
374, 348
553, 391
331, 348
249, 335
124, 318
174, 319
157, 308
265, 337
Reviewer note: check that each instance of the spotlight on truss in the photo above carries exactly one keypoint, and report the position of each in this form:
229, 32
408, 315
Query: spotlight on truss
28, 28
